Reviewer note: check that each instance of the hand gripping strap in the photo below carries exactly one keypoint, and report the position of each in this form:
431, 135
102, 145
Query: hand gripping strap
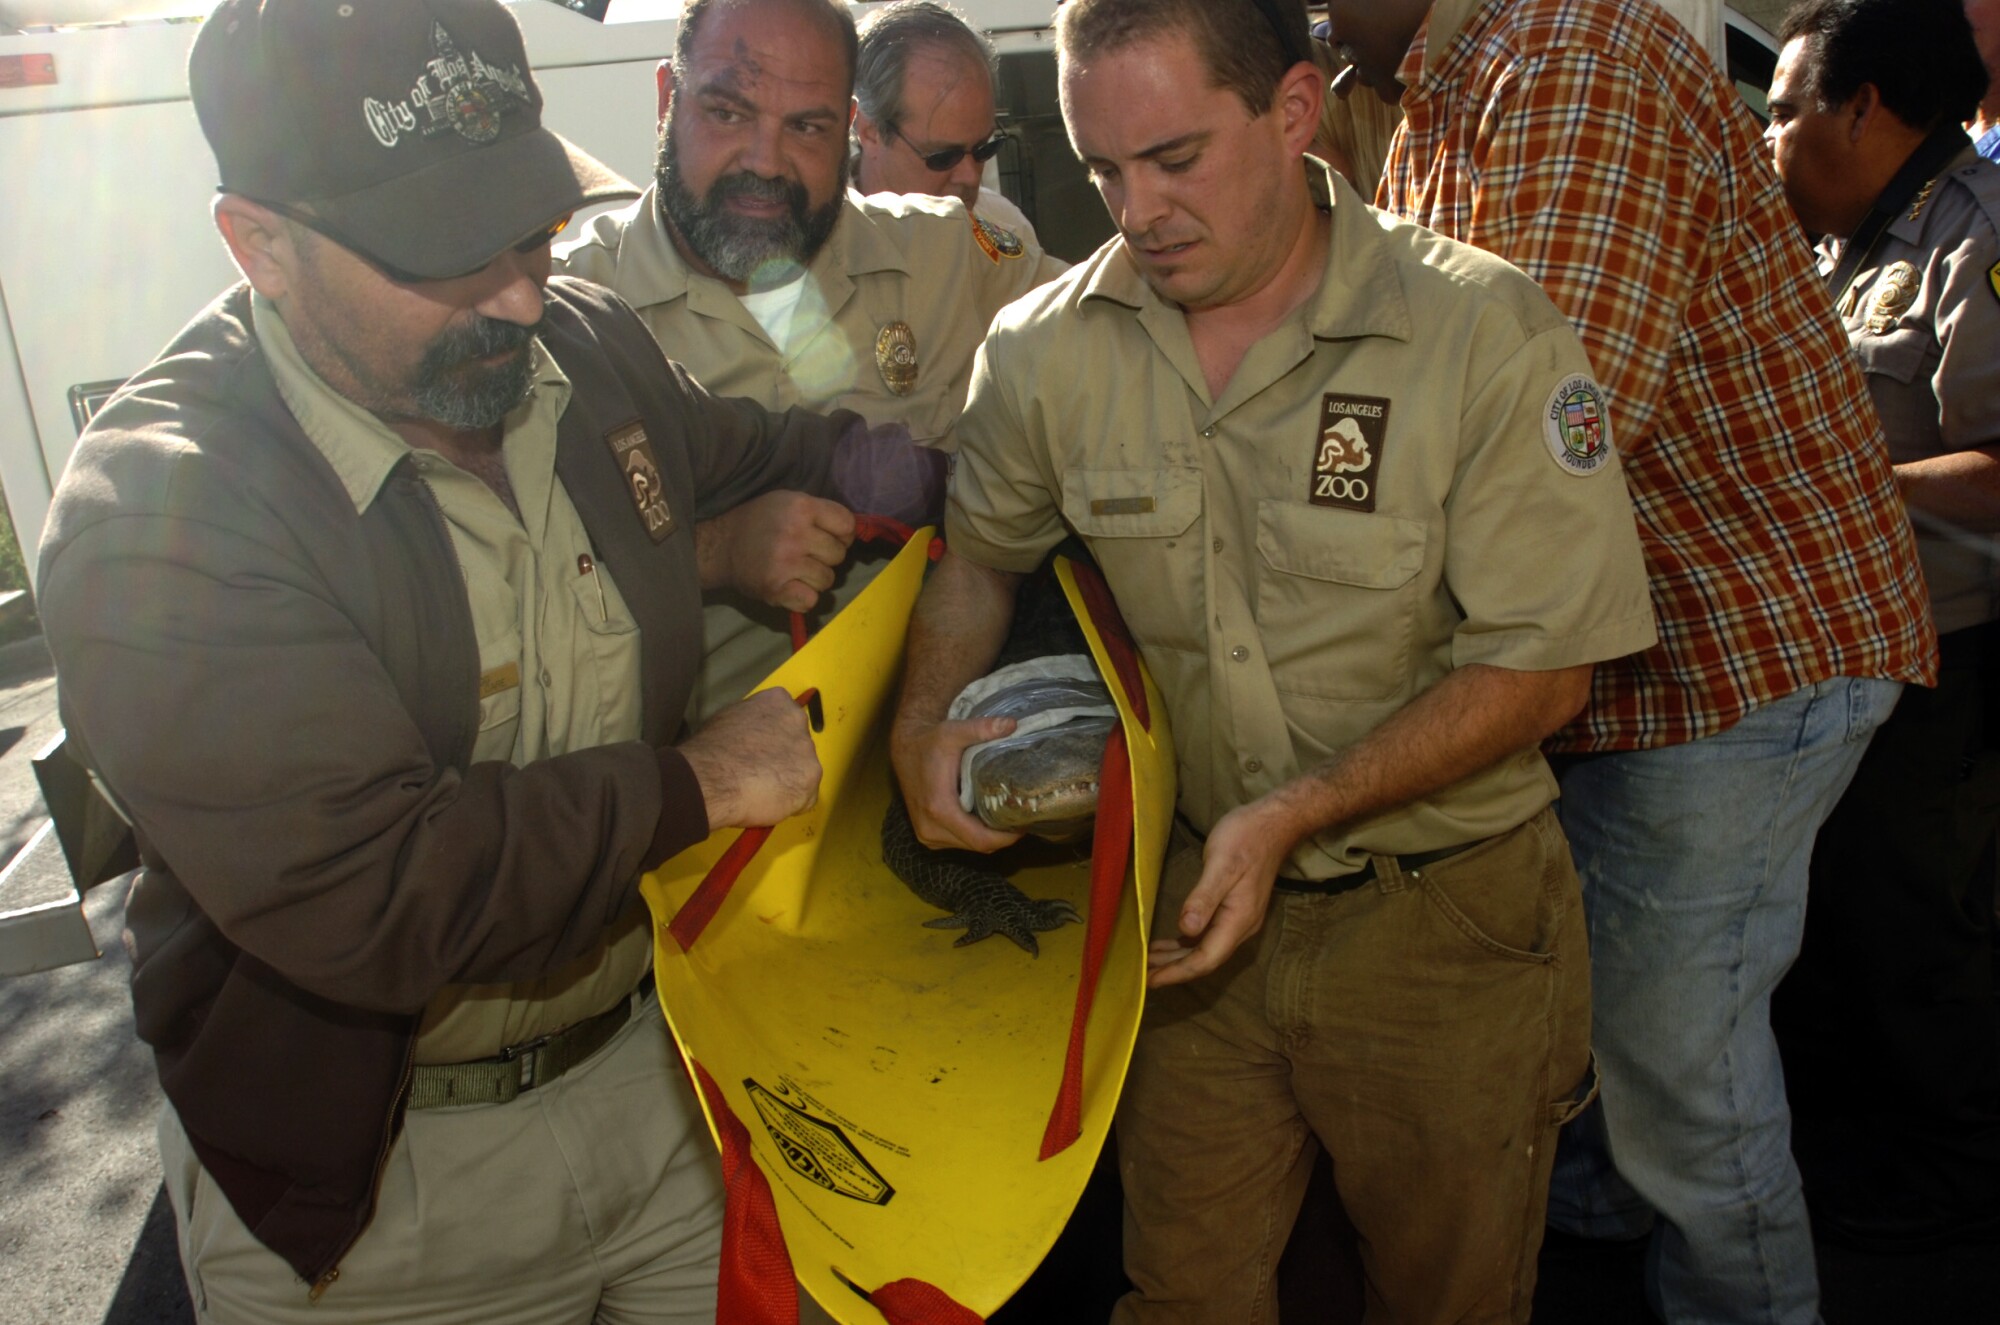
1110, 852
706, 899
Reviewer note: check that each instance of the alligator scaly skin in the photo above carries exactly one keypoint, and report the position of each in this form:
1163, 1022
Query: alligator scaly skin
977, 899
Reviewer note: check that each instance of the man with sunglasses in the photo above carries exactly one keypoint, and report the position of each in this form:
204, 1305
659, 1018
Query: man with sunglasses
375, 606
757, 271
923, 119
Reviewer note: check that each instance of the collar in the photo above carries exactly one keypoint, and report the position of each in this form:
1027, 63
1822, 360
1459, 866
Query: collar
1436, 36
361, 449
1360, 292
650, 270
1910, 221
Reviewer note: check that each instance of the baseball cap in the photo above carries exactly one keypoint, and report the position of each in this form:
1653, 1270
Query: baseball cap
411, 128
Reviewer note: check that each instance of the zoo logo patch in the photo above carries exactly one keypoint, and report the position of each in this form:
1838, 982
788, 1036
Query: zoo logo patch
1993, 279
997, 242
1347, 454
642, 478
1576, 427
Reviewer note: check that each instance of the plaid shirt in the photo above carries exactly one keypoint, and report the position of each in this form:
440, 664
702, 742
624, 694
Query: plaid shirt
1594, 145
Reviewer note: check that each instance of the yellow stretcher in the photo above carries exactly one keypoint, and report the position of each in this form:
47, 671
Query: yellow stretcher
919, 1119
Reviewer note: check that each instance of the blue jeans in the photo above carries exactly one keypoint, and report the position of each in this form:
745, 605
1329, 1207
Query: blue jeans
1694, 861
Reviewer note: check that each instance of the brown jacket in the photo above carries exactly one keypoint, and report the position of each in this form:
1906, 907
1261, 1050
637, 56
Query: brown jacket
282, 694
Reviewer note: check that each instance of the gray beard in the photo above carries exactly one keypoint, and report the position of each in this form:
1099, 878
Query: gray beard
762, 254
449, 389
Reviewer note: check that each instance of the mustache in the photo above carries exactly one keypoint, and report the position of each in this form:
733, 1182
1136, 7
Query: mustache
755, 188
477, 339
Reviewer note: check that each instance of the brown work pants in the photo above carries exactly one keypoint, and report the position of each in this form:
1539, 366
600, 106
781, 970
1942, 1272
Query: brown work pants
1430, 1029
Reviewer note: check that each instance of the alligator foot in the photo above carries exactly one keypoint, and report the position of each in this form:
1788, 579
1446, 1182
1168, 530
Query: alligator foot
1011, 913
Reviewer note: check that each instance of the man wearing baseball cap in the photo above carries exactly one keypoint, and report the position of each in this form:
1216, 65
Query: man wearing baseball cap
376, 604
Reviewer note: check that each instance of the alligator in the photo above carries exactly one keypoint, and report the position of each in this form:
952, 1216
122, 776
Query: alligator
1044, 784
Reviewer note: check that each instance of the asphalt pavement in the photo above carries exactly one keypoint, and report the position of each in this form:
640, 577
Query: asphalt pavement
85, 1236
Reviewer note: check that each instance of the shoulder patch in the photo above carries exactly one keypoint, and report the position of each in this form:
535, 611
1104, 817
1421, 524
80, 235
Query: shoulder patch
1993, 279
1575, 426
996, 241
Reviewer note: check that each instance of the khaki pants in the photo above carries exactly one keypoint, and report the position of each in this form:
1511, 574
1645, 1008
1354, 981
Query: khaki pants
594, 1198
1430, 1030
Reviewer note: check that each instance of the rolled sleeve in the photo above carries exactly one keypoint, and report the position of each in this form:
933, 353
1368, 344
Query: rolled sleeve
1544, 561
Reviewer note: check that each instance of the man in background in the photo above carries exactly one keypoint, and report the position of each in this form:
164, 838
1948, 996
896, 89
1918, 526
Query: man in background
1593, 144
1892, 1047
924, 121
757, 272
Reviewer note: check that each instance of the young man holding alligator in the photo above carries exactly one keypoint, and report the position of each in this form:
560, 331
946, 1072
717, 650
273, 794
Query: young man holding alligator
1354, 489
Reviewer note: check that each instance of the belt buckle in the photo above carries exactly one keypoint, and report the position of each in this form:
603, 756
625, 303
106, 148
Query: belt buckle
529, 1052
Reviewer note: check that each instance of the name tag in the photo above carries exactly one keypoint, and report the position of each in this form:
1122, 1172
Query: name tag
504, 677
1122, 506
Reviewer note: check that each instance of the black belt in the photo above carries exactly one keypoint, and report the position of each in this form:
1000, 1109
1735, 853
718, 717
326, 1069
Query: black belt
1409, 864
519, 1067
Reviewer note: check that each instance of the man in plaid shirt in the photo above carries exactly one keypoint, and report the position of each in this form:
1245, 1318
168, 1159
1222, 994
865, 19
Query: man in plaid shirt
1593, 144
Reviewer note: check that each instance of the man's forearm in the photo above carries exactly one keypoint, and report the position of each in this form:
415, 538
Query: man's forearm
711, 553
1467, 722
956, 632
1962, 488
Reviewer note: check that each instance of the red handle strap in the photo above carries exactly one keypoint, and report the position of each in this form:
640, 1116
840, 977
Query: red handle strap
755, 1284
706, 899
1110, 852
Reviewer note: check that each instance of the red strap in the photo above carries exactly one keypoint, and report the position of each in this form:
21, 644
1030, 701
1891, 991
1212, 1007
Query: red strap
706, 899
914, 1302
881, 529
755, 1285
1104, 614
1110, 851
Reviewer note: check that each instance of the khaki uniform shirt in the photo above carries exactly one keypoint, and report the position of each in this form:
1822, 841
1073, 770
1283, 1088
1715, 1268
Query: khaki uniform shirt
1411, 475
897, 266
1924, 316
559, 666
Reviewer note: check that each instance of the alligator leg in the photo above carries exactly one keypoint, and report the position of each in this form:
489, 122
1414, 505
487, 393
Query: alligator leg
978, 900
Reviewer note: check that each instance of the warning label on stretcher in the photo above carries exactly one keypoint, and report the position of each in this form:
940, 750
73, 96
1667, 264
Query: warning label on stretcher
818, 1150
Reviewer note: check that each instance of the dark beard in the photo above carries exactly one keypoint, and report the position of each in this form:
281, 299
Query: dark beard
764, 254
449, 388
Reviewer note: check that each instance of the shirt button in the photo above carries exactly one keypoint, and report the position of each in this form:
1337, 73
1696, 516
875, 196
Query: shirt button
1239, 653
1253, 766
1208, 431
1217, 545
548, 677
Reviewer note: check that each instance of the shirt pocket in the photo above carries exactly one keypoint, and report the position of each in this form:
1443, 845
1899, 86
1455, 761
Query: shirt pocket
1140, 525
1898, 354
611, 646
500, 681
1336, 599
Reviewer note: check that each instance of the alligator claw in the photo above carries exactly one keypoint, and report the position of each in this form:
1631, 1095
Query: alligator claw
1016, 916
977, 900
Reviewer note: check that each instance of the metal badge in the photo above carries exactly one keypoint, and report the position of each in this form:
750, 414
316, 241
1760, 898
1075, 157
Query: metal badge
1894, 293
896, 356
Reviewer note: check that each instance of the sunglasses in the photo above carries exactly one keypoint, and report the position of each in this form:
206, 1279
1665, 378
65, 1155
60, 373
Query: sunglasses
538, 240
946, 157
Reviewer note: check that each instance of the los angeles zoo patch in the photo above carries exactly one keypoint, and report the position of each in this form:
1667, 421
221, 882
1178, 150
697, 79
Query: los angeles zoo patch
1576, 427
1347, 454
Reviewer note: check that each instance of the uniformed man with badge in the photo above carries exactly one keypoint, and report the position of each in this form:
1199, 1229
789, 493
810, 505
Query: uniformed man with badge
1892, 1051
1357, 496
757, 271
